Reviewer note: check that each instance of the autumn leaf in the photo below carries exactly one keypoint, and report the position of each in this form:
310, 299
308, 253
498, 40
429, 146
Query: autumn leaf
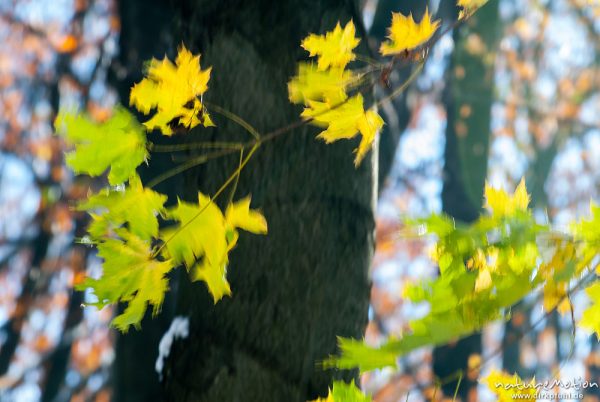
345, 121
591, 316
200, 233
405, 34
135, 205
173, 91
509, 388
130, 274
312, 84
501, 204
369, 125
334, 49
239, 215
203, 237
343, 392
118, 144
469, 7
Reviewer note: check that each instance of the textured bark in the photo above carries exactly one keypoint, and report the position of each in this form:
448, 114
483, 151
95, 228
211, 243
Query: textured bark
304, 283
469, 102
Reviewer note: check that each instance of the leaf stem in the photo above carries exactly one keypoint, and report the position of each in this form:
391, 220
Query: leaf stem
235, 118
199, 160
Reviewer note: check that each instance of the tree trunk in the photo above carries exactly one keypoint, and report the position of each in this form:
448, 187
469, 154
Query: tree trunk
304, 283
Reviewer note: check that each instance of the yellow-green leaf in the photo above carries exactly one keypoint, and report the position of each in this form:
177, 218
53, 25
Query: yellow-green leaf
469, 7
135, 205
502, 204
509, 388
369, 125
312, 84
203, 237
200, 232
239, 215
130, 274
343, 392
346, 121
405, 34
215, 277
334, 48
591, 315
118, 144
174, 91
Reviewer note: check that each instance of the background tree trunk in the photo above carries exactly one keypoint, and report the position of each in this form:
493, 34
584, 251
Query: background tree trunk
469, 103
396, 113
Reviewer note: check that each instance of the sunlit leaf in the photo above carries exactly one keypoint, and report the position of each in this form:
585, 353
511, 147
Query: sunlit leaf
130, 274
173, 91
135, 205
509, 388
203, 236
312, 84
346, 121
469, 7
118, 144
405, 34
239, 215
591, 315
334, 49
343, 392
501, 204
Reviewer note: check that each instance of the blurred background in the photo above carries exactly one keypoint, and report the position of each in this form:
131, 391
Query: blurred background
513, 93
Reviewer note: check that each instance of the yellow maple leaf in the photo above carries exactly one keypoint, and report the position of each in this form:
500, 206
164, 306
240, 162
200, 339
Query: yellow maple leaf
334, 48
483, 281
406, 34
342, 392
509, 388
502, 204
345, 121
591, 316
215, 277
312, 84
174, 91
469, 7
204, 236
239, 215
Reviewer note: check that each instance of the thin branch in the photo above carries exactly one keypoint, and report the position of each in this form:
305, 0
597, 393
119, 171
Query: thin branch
235, 118
219, 191
195, 145
199, 160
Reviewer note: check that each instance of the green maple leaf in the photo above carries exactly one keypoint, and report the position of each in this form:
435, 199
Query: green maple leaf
118, 144
132, 275
135, 205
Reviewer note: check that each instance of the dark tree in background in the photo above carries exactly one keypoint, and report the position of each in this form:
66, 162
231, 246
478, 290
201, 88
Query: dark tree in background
396, 113
468, 104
